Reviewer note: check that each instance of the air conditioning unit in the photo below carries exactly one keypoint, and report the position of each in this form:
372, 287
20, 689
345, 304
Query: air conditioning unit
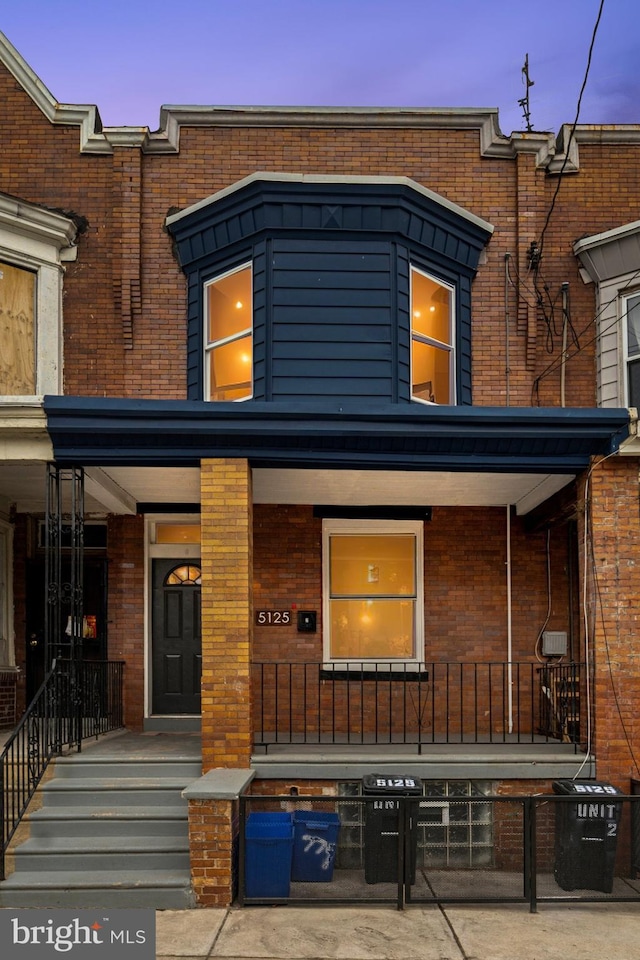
554, 643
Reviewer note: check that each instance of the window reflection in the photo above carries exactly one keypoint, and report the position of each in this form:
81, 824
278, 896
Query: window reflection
229, 346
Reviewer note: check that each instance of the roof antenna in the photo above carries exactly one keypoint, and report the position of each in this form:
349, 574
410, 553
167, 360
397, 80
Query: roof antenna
524, 102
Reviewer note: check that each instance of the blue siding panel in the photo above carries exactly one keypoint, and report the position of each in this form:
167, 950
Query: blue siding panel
331, 337
333, 349
331, 333
309, 388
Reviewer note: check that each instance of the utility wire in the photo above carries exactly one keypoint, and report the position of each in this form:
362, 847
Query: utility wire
580, 346
572, 133
536, 249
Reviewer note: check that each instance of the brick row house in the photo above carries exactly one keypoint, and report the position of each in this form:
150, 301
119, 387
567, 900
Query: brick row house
353, 393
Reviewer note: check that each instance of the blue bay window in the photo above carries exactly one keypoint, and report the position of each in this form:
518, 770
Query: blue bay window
322, 291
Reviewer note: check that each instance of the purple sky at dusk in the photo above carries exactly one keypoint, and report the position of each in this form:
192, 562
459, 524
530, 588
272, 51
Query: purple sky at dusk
132, 56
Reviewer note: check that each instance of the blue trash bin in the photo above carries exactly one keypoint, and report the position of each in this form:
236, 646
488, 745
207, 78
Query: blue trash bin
315, 836
268, 853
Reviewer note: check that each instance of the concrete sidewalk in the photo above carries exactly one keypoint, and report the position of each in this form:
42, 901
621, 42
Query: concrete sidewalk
597, 931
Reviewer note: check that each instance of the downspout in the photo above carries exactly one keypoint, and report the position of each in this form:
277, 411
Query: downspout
509, 631
563, 362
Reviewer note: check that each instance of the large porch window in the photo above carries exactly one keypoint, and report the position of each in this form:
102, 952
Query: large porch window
432, 340
373, 596
229, 336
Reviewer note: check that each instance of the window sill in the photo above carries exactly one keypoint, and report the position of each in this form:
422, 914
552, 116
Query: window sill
409, 673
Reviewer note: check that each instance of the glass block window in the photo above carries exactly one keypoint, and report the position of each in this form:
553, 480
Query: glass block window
455, 827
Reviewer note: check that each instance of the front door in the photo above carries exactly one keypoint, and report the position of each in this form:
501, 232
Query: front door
176, 641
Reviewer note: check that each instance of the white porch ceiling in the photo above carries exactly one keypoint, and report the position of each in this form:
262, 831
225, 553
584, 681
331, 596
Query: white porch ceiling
119, 489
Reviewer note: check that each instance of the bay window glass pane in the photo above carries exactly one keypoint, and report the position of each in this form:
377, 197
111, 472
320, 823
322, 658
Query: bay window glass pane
17, 331
379, 629
430, 308
372, 565
229, 305
431, 372
230, 370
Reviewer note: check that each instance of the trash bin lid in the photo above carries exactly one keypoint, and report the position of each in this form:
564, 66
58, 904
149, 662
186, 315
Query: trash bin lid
584, 788
383, 783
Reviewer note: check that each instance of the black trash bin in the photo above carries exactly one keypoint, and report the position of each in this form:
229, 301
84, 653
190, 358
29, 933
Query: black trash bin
381, 826
586, 835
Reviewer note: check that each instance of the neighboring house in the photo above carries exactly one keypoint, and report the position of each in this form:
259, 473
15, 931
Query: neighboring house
358, 442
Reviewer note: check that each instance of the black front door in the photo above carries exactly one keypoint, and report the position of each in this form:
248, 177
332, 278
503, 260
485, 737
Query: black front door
176, 643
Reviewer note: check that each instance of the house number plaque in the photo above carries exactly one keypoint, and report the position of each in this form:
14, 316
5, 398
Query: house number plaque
273, 617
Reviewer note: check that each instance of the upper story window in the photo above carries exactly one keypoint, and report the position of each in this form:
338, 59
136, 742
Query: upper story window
631, 312
228, 350
373, 593
17, 331
34, 244
432, 340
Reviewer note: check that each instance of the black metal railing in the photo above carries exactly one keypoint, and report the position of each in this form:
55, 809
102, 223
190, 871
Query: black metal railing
439, 848
76, 701
431, 702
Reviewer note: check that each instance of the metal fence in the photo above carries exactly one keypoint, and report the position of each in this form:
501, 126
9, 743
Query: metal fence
432, 702
427, 849
77, 700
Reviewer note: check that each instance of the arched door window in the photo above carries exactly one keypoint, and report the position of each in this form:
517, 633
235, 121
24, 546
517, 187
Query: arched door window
184, 575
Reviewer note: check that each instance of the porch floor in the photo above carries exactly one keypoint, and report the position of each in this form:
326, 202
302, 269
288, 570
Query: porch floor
509, 760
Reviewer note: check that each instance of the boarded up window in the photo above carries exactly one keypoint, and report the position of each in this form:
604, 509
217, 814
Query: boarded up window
17, 331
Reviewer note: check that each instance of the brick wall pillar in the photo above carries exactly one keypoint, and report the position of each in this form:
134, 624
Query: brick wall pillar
614, 578
227, 559
8, 698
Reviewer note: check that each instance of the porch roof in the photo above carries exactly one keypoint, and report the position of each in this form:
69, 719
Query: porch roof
120, 432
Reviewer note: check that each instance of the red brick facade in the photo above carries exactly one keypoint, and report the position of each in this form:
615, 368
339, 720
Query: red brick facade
125, 336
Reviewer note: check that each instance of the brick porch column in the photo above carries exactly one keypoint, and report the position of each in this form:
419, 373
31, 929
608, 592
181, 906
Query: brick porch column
615, 525
227, 558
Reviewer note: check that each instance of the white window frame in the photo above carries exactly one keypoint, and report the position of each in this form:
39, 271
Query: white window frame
450, 348
330, 527
38, 240
624, 351
7, 647
210, 345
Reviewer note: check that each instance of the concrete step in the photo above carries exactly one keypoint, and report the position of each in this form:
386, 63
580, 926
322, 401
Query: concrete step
80, 767
163, 821
105, 888
110, 832
53, 854
131, 791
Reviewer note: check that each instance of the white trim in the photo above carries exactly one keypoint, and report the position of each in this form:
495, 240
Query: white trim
624, 299
268, 177
332, 527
